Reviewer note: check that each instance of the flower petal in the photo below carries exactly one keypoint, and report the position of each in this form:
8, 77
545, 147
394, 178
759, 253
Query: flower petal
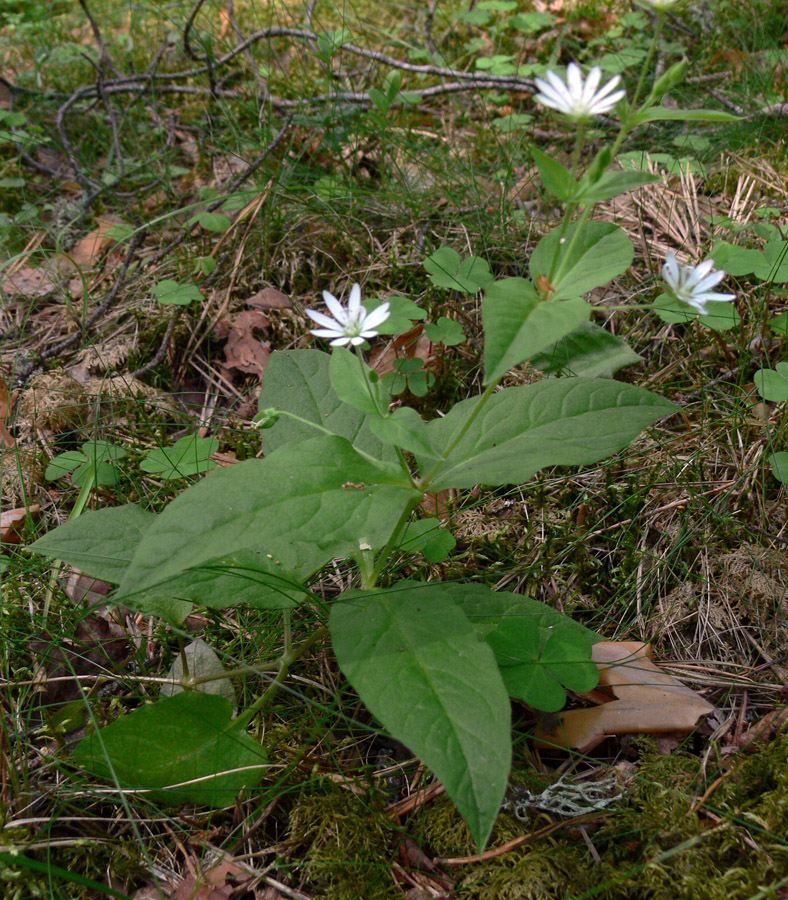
325, 321
354, 303
377, 317
337, 310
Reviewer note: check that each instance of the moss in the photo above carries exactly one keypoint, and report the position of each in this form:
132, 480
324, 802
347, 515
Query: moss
350, 845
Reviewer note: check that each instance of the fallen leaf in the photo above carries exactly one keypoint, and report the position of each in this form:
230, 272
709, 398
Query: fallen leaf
98, 647
80, 587
269, 298
87, 250
222, 882
29, 282
12, 520
5, 414
413, 344
244, 351
646, 700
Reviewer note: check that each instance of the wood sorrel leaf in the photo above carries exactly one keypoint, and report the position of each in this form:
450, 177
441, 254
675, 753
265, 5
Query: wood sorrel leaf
564, 421
772, 384
182, 738
518, 324
298, 381
202, 661
100, 543
577, 263
318, 496
356, 384
589, 350
419, 667
448, 270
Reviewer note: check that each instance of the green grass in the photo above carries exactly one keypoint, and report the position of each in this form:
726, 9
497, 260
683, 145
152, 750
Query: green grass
679, 540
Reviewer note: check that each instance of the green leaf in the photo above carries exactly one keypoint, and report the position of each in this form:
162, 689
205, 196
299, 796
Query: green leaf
564, 421
404, 428
103, 473
779, 324
402, 314
428, 537
591, 259
319, 497
448, 270
246, 578
773, 385
738, 261
183, 738
613, 184
664, 114
356, 384
102, 450
64, 463
419, 667
518, 324
189, 456
538, 663
169, 291
556, 178
214, 221
779, 463
588, 350
379, 99
445, 331
298, 381
100, 543
776, 253
720, 316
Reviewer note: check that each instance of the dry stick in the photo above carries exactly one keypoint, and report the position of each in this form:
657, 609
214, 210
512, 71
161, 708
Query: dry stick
428, 27
161, 353
233, 186
518, 841
104, 57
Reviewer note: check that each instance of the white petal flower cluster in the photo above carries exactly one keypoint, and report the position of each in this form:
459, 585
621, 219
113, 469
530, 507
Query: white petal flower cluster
693, 284
577, 98
351, 325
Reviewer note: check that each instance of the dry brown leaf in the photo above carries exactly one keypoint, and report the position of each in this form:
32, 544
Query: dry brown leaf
222, 882
647, 700
244, 351
269, 298
413, 344
5, 415
29, 282
87, 250
12, 521
97, 648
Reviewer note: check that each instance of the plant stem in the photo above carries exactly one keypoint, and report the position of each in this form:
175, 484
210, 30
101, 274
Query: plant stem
285, 661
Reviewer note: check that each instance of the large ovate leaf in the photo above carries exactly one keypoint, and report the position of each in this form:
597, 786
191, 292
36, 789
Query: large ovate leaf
403, 428
590, 351
319, 497
577, 263
420, 668
556, 178
565, 421
100, 543
186, 738
518, 324
299, 382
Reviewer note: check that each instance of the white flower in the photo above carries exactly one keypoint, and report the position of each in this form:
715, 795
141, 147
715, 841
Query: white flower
692, 284
575, 98
349, 326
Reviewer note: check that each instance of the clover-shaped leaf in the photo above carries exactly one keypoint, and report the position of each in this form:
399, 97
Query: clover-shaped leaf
408, 373
772, 384
189, 456
448, 270
92, 460
403, 312
169, 291
445, 331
